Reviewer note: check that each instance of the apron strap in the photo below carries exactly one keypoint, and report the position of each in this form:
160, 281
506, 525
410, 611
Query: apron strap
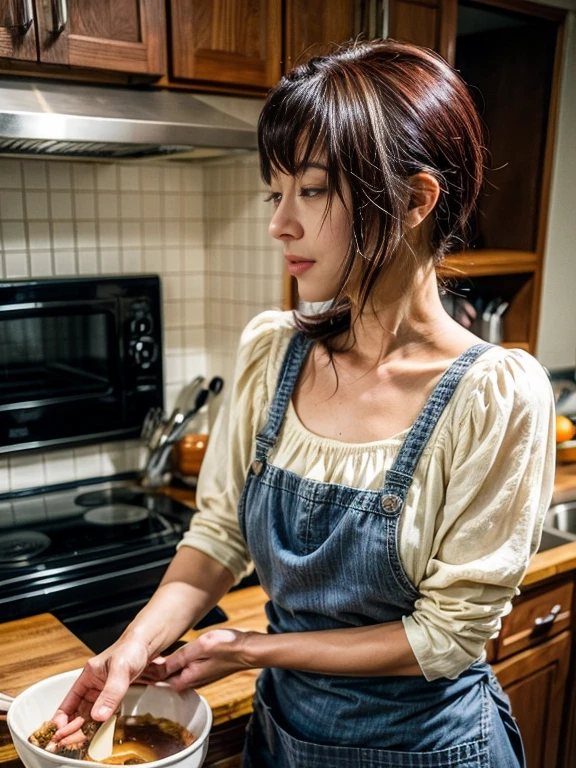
296, 354
398, 479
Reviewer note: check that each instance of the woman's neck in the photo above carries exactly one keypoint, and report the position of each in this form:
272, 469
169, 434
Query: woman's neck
402, 322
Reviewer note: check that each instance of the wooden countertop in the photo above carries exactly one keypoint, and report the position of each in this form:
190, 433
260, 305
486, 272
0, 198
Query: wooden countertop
558, 560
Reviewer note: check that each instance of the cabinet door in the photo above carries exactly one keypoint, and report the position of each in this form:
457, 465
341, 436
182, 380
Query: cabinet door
535, 681
236, 42
431, 23
17, 30
312, 22
119, 35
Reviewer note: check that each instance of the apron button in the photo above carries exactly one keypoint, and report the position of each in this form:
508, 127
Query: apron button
390, 503
257, 466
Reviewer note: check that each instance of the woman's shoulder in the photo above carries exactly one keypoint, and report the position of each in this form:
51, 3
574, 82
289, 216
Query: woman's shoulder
266, 330
262, 345
502, 380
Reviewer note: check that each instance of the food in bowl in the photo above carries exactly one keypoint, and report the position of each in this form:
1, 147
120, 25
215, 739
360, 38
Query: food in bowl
38, 703
137, 739
42, 738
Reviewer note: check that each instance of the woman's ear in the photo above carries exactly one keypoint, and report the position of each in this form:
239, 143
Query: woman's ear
425, 194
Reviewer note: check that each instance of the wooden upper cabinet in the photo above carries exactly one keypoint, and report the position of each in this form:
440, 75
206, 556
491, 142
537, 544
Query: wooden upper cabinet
119, 35
232, 42
431, 23
308, 23
17, 30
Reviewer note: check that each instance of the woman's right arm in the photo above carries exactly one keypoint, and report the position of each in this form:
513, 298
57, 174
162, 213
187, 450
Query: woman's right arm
192, 585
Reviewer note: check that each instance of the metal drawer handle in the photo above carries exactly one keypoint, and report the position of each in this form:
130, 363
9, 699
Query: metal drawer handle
22, 14
60, 16
543, 623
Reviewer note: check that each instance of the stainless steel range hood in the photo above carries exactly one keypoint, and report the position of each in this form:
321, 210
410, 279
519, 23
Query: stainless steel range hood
112, 123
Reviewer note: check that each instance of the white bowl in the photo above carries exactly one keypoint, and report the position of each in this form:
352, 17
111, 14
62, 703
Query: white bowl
38, 703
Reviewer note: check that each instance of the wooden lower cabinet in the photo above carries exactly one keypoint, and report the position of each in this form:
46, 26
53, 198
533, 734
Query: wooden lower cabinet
535, 680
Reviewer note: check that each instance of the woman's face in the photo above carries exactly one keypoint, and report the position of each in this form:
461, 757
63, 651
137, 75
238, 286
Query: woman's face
315, 244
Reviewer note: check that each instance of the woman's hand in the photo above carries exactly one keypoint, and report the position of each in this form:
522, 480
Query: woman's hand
213, 655
100, 687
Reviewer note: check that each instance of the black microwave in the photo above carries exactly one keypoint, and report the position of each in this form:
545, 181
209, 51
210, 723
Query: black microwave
80, 359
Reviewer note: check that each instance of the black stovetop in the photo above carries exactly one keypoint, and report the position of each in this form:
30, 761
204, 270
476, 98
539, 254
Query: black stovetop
81, 533
82, 523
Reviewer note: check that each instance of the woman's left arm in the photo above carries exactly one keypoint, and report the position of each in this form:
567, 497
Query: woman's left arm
371, 651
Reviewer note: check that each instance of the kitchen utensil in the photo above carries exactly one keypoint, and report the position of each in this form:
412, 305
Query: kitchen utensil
151, 421
178, 415
38, 703
157, 435
215, 388
187, 396
102, 744
157, 470
201, 399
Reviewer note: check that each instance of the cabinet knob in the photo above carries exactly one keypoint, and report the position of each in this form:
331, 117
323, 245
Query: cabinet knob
543, 623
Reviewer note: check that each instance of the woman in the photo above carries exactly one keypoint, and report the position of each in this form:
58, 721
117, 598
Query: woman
391, 471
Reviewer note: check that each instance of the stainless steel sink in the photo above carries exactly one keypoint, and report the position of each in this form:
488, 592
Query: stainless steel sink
559, 526
551, 539
562, 517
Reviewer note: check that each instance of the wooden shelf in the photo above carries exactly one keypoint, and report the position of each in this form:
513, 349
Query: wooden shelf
479, 263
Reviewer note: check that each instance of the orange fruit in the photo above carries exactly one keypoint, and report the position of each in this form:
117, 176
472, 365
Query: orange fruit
565, 429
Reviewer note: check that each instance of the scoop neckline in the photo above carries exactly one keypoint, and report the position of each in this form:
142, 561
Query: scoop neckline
293, 417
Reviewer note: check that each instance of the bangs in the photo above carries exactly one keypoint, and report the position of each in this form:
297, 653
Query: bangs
294, 129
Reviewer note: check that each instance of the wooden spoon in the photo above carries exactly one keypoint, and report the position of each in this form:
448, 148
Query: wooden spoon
101, 745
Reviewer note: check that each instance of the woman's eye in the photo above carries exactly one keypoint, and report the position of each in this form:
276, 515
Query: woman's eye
275, 197
312, 191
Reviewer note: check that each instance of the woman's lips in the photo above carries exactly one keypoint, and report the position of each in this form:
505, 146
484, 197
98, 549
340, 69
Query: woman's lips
296, 265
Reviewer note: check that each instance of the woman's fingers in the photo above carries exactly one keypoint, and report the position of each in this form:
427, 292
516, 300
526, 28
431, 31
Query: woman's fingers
114, 690
65, 727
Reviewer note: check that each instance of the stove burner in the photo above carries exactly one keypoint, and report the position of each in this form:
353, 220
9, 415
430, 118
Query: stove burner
116, 514
110, 496
22, 545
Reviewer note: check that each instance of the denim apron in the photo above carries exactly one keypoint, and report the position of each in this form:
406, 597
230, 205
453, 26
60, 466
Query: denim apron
327, 556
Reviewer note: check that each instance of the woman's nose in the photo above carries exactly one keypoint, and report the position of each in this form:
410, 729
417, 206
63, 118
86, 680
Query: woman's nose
284, 225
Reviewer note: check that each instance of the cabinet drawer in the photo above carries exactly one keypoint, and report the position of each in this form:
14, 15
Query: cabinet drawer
538, 615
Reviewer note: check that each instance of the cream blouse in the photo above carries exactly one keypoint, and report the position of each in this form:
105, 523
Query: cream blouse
473, 514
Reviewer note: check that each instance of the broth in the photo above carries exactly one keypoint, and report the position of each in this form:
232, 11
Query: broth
144, 738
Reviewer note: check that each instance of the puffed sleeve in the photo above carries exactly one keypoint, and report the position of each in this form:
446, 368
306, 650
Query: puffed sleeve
500, 456
214, 528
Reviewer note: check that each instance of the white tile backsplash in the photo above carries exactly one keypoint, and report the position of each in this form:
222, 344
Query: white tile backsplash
203, 228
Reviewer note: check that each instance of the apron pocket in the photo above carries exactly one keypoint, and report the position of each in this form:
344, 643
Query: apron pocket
269, 741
